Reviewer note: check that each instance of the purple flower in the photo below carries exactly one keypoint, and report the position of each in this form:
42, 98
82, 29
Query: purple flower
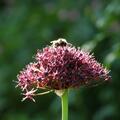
61, 66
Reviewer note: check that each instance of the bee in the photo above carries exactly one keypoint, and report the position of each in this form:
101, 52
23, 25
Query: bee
60, 42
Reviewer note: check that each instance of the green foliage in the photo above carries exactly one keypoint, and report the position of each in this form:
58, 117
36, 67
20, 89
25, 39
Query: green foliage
28, 25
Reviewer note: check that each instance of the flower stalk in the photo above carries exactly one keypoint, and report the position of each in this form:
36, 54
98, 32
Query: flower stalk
63, 94
64, 103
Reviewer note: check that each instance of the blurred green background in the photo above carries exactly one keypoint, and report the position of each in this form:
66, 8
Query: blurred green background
28, 25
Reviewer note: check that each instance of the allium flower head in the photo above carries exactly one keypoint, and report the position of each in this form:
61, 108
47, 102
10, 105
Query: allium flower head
61, 66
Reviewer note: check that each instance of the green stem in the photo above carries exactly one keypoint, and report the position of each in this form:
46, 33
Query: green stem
64, 102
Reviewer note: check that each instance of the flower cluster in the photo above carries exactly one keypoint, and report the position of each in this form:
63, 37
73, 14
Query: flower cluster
61, 66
